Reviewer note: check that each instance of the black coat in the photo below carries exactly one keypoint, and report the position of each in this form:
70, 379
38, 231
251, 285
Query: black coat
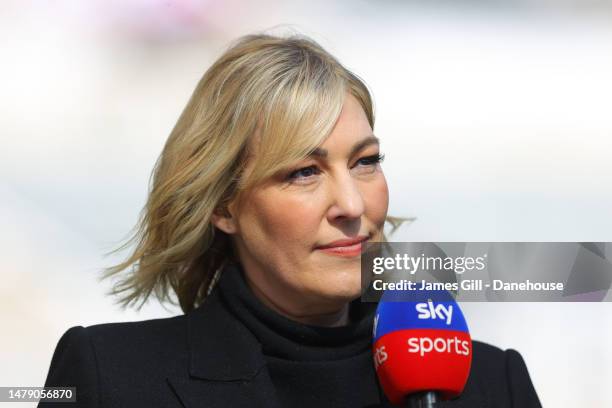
207, 358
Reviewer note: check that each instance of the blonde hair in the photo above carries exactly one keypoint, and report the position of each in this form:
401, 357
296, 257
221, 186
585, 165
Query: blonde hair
288, 89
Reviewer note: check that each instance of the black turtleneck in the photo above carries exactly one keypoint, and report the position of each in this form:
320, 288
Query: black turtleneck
310, 366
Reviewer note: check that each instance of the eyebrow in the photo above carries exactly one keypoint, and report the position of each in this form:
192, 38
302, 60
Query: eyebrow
370, 140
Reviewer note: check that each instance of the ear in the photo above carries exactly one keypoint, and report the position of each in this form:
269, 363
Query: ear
223, 219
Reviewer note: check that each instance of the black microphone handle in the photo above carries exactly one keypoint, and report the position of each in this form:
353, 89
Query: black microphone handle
425, 399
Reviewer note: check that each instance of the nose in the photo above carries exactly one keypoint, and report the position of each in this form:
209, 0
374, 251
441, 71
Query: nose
346, 197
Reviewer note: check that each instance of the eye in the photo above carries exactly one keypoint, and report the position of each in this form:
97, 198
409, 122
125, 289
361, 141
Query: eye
303, 173
371, 160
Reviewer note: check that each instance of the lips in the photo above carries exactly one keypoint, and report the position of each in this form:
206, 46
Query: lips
347, 242
345, 248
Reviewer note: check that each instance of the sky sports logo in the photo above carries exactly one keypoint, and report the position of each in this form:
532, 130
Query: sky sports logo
424, 345
430, 311
426, 311
421, 341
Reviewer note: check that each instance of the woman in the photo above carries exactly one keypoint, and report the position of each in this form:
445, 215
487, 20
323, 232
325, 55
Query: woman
266, 190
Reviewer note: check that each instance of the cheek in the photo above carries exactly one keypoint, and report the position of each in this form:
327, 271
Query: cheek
284, 219
377, 200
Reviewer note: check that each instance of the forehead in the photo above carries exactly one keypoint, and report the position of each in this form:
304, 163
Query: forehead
351, 131
352, 126
359, 144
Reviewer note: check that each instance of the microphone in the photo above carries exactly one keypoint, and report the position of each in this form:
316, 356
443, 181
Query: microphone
422, 347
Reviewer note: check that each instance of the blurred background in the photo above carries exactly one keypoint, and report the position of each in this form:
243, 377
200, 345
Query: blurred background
495, 117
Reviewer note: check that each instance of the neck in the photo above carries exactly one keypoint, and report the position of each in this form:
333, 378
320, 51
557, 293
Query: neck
334, 318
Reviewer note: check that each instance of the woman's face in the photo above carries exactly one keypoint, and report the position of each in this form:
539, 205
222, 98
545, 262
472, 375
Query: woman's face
339, 194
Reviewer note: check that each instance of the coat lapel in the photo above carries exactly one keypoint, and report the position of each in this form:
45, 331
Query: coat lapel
226, 365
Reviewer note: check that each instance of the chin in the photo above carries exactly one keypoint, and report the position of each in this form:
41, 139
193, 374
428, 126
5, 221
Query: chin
345, 287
